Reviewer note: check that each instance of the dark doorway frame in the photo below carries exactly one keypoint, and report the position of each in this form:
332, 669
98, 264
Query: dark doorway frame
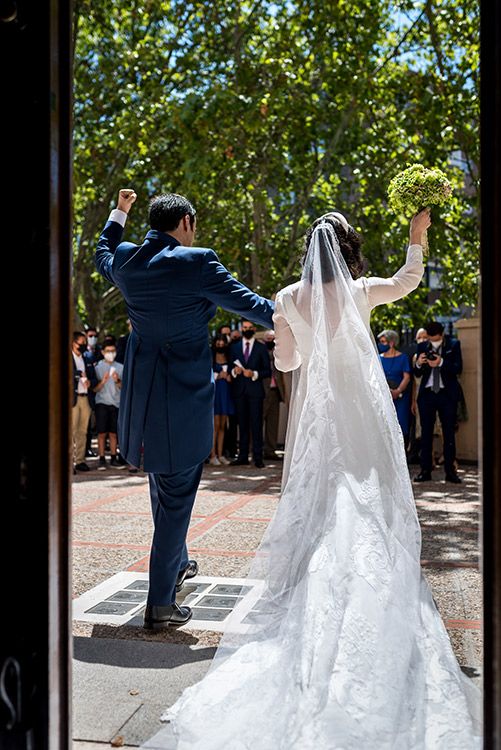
491, 363
35, 652
35, 204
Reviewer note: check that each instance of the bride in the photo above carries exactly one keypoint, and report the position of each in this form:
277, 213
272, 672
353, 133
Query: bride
344, 648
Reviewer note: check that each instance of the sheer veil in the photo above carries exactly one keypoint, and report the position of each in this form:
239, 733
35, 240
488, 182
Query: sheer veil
343, 646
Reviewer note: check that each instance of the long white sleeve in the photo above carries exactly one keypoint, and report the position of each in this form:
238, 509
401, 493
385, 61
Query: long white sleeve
406, 279
287, 356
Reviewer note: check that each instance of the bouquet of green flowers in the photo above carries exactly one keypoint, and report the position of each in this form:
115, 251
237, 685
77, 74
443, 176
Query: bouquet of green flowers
417, 188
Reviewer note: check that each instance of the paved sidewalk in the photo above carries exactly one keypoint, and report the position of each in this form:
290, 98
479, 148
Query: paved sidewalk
125, 677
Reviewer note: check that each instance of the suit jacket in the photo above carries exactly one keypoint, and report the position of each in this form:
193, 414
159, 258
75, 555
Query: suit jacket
171, 293
90, 373
279, 378
259, 361
452, 366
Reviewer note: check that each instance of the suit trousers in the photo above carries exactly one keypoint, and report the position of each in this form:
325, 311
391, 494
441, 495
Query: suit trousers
80, 417
250, 418
445, 405
172, 498
271, 415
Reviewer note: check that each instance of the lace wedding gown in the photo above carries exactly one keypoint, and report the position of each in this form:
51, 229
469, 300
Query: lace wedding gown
344, 648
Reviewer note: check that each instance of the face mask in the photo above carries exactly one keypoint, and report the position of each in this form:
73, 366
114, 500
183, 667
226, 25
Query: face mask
110, 356
248, 334
82, 348
436, 344
421, 340
92, 340
383, 348
270, 344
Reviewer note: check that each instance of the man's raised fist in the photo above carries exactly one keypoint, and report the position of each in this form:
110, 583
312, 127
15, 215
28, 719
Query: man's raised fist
126, 197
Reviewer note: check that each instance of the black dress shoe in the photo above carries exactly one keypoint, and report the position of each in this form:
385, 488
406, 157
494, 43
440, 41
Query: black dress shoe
240, 462
259, 464
82, 467
169, 616
424, 476
453, 477
190, 571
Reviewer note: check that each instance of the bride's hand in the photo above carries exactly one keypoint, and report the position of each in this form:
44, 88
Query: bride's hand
419, 224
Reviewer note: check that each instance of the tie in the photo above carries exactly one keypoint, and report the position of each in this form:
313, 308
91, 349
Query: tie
435, 383
246, 352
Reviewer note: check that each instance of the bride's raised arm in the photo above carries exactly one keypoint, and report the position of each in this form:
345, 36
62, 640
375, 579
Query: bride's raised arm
381, 291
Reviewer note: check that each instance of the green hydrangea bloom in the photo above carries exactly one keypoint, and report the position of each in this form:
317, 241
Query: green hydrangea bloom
418, 187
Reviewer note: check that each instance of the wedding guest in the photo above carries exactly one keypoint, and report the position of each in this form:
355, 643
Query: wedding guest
438, 364
274, 394
225, 330
107, 390
223, 402
251, 365
415, 433
397, 369
93, 353
235, 336
84, 378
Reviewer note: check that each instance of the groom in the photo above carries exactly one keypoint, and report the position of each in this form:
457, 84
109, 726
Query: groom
172, 290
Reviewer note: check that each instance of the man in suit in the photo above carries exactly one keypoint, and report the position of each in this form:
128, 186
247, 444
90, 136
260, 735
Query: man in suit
274, 390
438, 364
84, 380
171, 290
251, 365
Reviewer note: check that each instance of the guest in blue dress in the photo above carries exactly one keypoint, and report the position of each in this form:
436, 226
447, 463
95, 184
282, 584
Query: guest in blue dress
397, 368
223, 402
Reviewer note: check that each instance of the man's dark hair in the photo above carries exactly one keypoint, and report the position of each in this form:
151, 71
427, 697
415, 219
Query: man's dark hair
224, 325
109, 341
434, 328
90, 328
167, 210
78, 335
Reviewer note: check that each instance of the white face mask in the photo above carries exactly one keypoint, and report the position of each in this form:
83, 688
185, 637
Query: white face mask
110, 356
92, 340
436, 344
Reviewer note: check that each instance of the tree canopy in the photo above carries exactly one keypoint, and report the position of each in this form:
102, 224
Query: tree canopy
267, 115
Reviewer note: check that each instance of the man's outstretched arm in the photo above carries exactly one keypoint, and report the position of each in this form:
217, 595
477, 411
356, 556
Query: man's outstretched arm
221, 288
112, 234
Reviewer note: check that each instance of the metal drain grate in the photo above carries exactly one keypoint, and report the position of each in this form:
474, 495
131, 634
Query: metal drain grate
121, 599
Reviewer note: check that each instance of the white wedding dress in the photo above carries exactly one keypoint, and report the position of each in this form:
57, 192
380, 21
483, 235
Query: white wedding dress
346, 649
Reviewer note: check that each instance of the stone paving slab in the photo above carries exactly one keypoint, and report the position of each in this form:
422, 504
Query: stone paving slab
122, 687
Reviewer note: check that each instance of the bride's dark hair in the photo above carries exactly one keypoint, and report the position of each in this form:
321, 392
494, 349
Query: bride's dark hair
349, 243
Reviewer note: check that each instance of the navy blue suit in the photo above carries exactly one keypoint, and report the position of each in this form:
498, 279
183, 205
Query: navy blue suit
166, 403
445, 403
249, 395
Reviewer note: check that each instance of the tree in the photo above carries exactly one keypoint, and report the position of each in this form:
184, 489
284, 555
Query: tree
267, 115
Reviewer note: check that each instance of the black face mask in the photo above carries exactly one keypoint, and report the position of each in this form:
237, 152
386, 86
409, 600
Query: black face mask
248, 334
270, 344
82, 348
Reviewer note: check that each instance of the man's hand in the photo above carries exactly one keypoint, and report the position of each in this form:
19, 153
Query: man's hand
126, 197
105, 378
435, 362
238, 370
248, 373
115, 377
421, 360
